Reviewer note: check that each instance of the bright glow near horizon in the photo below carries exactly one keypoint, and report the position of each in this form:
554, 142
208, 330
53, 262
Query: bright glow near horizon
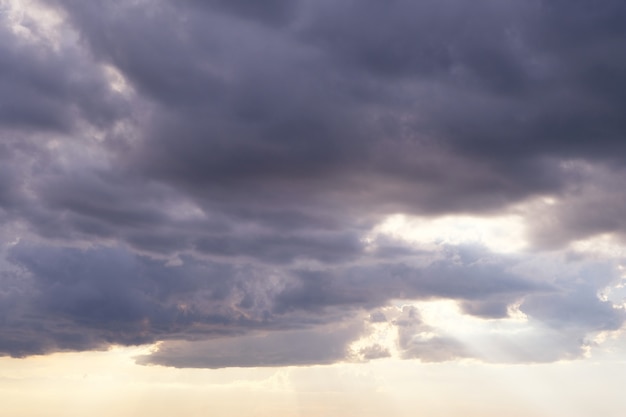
103, 384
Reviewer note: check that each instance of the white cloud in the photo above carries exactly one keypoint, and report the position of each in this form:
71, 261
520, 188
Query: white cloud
504, 234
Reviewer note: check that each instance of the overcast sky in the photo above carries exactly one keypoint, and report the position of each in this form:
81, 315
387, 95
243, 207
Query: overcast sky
272, 185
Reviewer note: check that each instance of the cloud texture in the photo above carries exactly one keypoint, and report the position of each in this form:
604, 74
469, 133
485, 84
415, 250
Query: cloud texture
210, 175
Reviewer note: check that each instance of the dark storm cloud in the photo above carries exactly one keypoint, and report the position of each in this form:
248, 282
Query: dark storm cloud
227, 181
478, 279
49, 89
275, 113
503, 83
589, 208
77, 299
284, 248
272, 12
88, 298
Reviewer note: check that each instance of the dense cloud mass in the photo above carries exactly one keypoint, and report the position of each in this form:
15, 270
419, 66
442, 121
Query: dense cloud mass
212, 176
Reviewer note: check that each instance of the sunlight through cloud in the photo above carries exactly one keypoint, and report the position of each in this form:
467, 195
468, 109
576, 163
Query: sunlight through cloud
504, 234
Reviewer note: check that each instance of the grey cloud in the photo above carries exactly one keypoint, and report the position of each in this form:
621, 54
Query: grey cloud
278, 248
585, 210
288, 116
257, 146
423, 39
477, 281
272, 12
290, 121
47, 88
378, 317
93, 297
104, 205
77, 299
321, 345
577, 307
497, 308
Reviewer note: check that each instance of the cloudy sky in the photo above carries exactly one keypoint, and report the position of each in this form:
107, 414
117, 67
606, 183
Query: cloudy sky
312, 207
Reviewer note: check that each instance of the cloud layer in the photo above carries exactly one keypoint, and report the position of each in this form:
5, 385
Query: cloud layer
210, 174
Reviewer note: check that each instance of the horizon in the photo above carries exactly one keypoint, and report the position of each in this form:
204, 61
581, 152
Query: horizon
312, 208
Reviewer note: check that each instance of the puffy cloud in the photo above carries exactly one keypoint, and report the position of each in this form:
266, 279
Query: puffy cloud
175, 171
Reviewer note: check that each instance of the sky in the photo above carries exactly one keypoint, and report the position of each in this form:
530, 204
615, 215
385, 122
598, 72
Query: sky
312, 208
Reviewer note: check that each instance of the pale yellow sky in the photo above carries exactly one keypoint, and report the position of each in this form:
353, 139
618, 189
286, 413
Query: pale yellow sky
103, 384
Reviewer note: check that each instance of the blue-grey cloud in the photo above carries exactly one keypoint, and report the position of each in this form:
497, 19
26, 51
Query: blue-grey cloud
319, 345
179, 170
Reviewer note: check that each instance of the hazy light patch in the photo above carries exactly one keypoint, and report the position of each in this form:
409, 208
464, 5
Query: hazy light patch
117, 81
605, 245
549, 201
616, 293
117, 367
478, 390
108, 383
607, 337
184, 210
502, 234
514, 339
33, 21
12, 11
446, 316
102, 384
